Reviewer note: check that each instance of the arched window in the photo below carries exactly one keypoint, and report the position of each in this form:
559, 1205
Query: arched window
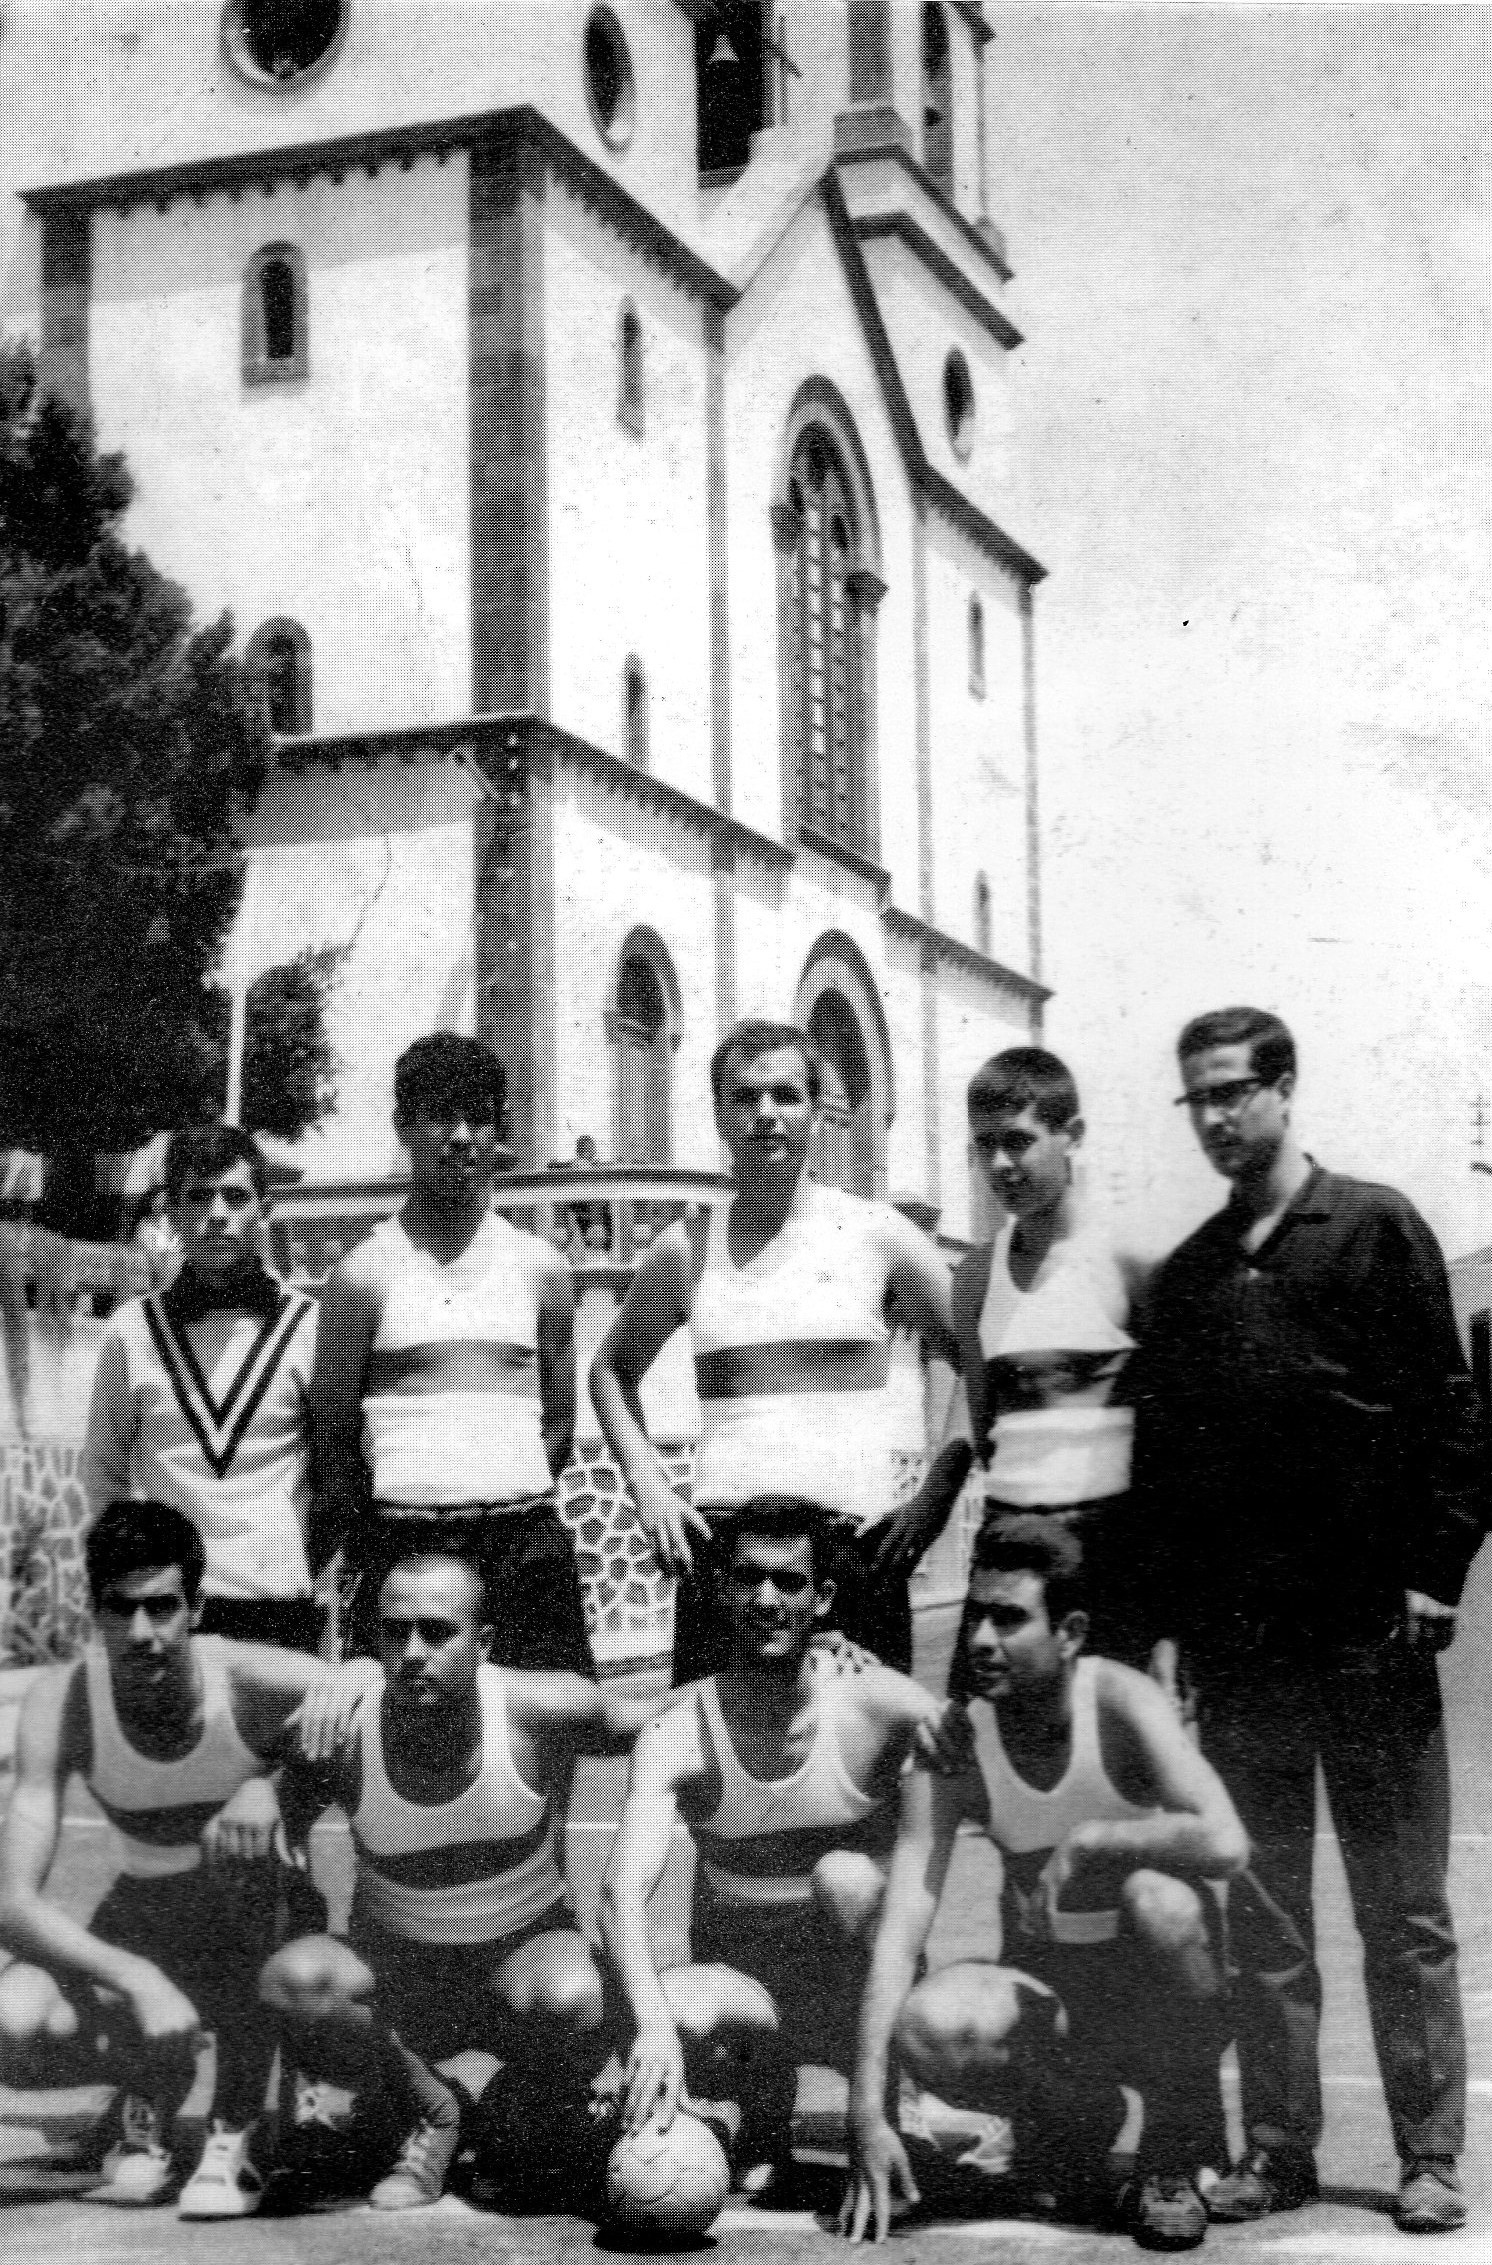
826, 692
278, 663
275, 315
643, 1027
838, 1003
844, 1148
937, 98
635, 713
976, 648
629, 399
982, 914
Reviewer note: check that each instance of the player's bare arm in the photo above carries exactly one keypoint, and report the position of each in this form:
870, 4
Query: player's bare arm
1151, 1761
556, 1324
288, 1707
920, 1283
668, 1759
350, 1309
52, 1743
655, 1306
931, 1812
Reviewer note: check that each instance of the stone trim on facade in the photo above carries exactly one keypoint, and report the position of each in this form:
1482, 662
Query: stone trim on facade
66, 286
1031, 994
863, 153
906, 230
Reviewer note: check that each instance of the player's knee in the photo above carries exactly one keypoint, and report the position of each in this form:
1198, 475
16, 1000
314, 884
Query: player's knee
707, 2000
848, 1887
35, 2017
315, 1980
565, 1990
1163, 1913
962, 2020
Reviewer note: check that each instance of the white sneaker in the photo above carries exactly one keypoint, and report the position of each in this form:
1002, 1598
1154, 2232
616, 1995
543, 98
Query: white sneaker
225, 2183
137, 2170
418, 2177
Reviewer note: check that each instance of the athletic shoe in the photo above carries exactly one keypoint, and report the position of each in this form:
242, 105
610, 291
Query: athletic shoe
419, 2176
1430, 2200
1262, 2182
990, 2150
137, 2171
225, 2183
1163, 2211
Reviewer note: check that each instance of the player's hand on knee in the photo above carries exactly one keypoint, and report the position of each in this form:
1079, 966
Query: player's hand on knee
943, 1737
326, 1714
880, 2176
655, 2078
247, 1829
165, 2017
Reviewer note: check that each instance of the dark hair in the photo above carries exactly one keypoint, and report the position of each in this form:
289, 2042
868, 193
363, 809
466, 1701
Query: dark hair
1271, 1047
439, 1557
1030, 1543
442, 1071
1026, 1077
141, 1537
781, 1517
205, 1152
754, 1037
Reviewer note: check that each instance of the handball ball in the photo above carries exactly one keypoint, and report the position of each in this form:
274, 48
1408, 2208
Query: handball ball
669, 2184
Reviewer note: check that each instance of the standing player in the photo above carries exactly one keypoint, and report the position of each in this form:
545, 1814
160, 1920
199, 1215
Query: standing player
447, 1360
785, 1295
1042, 1317
463, 1936
1312, 1457
200, 1398
1108, 1821
174, 1734
784, 1768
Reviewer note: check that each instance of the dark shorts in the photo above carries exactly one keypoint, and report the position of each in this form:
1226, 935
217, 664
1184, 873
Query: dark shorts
871, 1609
294, 1623
205, 1934
798, 1956
436, 1995
527, 1563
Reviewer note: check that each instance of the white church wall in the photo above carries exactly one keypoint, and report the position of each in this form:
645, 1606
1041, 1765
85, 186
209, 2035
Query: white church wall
340, 499
378, 863
629, 555
978, 787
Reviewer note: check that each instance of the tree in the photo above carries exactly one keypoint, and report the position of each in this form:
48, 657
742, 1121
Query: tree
289, 1069
130, 742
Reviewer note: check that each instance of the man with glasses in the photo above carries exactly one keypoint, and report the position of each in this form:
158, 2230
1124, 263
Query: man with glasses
1311, 1457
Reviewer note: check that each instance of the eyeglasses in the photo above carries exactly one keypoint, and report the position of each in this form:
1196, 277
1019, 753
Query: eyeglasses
1227, 1099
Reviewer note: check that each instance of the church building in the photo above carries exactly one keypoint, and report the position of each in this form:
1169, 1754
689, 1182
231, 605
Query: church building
596, 418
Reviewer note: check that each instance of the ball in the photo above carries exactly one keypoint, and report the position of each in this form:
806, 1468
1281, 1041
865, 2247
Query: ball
670, 2185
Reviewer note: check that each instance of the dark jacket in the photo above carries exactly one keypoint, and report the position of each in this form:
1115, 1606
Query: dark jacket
1309, 1442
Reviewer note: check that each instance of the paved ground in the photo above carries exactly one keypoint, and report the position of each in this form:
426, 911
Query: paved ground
42, 2223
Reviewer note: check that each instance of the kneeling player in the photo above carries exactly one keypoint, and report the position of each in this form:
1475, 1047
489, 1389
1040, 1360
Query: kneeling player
463, 1937
173, 1734
1108, 1821
784, 1768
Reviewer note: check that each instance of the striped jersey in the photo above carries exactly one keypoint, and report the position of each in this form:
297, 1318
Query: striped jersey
158, 1809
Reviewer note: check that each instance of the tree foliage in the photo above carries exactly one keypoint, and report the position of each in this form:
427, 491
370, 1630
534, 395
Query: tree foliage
130, 741
289, 1068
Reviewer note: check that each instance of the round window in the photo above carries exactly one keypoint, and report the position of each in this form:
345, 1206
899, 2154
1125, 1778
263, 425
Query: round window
281, 43
958, 402
609, 86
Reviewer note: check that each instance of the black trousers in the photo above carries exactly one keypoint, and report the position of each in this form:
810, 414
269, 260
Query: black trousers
871, 1609
1373, 1720
527, 1563
294, 1623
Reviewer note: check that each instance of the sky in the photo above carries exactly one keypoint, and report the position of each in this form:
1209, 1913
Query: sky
1251, 249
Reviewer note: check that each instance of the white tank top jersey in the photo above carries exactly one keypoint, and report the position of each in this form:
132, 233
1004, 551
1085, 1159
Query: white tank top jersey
1077, 1450
157, 1809
759, 1845
451, 1408
791, 1359
1026, 1824
497, 1814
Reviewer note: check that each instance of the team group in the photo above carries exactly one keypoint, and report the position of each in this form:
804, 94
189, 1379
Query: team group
1229, 1511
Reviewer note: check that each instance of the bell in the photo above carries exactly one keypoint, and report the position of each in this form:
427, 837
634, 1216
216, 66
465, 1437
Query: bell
722, 53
